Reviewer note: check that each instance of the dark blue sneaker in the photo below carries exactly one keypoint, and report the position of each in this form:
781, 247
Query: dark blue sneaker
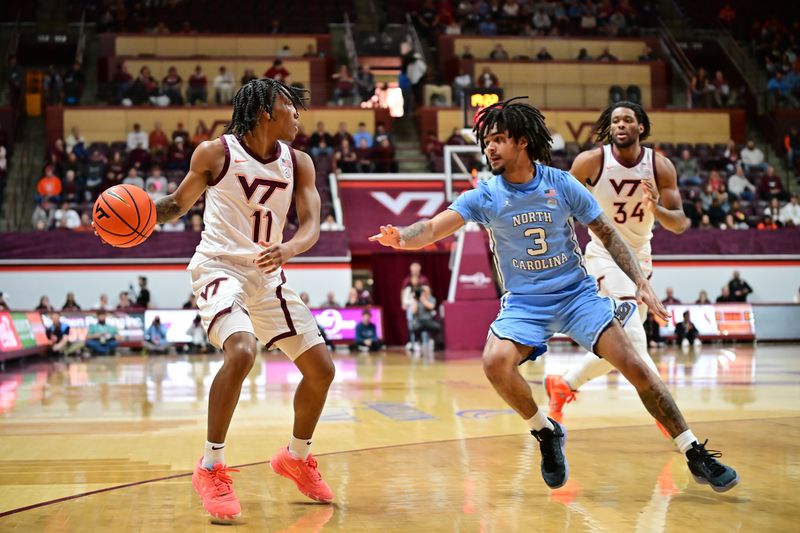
707, 470
552, 442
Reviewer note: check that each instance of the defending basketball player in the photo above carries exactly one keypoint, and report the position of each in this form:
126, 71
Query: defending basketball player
634, 186
249, 177
528, 210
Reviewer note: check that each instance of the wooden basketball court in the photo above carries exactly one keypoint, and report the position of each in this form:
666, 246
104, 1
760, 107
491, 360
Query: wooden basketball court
406, 445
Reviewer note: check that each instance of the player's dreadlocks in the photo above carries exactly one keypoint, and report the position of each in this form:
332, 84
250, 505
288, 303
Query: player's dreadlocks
256, 97
602, 128
521, 121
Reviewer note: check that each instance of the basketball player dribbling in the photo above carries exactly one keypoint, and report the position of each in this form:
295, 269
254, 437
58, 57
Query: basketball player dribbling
629, 182
249, 177
528, 209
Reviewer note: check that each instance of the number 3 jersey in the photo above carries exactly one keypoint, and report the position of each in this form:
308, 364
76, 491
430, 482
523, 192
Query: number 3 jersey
531, 229
620, 192
247, 202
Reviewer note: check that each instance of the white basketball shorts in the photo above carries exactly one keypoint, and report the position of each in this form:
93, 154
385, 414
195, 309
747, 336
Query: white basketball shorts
234, 295
611, 280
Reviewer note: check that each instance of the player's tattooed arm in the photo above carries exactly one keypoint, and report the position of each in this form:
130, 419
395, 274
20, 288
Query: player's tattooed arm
415, 230
167, 209
661, 405
617, 248
207, 162
420, 234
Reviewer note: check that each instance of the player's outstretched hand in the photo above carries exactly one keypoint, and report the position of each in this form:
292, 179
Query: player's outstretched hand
389, 236
273, 256
651, 195
645, 294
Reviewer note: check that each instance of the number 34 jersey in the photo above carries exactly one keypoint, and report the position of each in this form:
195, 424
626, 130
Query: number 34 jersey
531, 229
620, 192
246, 203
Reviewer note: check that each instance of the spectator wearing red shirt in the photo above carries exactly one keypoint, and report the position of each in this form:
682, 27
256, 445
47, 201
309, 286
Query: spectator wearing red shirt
670, 299
383, 157
198, 87
364, 153
158, 140
171, 86
342, 134
179, 156
767, 223
301, 141
771, 186
277, 71
487, 80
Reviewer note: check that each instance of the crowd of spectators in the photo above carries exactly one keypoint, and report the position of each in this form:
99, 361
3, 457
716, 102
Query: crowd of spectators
526, 17
362, 151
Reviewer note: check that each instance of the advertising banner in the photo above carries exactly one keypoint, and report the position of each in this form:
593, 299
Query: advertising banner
129, 325
176, 321
472, 275
340, 323
9, 341
717, 320
24, 331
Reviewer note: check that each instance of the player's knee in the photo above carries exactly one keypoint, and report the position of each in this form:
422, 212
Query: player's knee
241, 356
325, 372
495, 365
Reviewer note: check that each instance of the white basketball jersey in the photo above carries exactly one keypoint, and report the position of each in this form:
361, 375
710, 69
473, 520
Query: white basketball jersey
620, 193
246, 203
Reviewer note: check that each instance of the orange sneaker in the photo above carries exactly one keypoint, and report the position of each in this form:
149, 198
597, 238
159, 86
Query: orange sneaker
304, 474
215, 488
559, 393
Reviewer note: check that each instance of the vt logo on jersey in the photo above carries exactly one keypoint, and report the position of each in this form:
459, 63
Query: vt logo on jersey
250, 188
619, 185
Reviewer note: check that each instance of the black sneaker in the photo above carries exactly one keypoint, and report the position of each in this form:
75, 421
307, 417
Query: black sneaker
552, 442
707, 470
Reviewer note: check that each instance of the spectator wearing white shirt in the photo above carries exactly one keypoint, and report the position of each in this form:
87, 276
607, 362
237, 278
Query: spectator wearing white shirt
158, 178
557, 144
137, 137
223, 86
133, 178
173, 225
790, 213
753, 157
740, 186
330, 224
66, 218
73, 139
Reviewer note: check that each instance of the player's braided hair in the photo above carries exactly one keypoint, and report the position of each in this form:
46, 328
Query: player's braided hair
520, 120
256, 97
602, 128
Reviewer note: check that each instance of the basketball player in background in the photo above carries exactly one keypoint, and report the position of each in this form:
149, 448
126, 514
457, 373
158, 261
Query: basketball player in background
528, 210
249, 177
634, 186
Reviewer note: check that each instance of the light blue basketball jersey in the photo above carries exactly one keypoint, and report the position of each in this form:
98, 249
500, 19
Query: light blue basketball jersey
531, 229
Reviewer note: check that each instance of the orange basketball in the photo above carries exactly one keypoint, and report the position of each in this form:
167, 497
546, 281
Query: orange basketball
124, 215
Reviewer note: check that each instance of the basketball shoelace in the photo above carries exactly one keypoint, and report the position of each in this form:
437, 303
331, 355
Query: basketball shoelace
709, 458
551, 444
223, 483
313, 473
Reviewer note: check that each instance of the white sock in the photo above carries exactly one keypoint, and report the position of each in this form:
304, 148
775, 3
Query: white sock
539, 421
685, 440
299, 448
215, 453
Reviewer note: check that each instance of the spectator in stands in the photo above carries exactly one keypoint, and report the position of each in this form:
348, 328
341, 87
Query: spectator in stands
70, 188
766, 223
142, 294
58, 337
364, 155
345, 157
223, 86
686, 332
53, 86
688, 170
790, 213
70, 304
541, 22
180, 133
330, 224
196, 222
423, 322
607, 56
487, 27
330, 301
499, 53
158, 142
740, 187
44, 305
383, 157
73, 140
715, 181
773, 210
248, 76
49, 187
344, 86
487, 79
139, 158
277, 71
174, 225
117, 164
138, 138
466, 53
179, 156
433, 146
455, 139
727, 16
86, 223
155, 337
301, 140
102, 303
365, 82
121, 82
652, 330
362, 133
700, 89
725, 295
201, 134
705, 222
739, 288
702, 299
381, 134
647, 54
792, 144
191, 302
352, 298
197, 91
102, 338
65, 218
342, 134
310, 52
321, 141
364, 296
13, 81
544, 55
144, 89
557, 144
780, 92
275, 27
134, 178
731, 223
583, 55
172, 86
124, 302
771, 186
752, 158
74, 81
366, 335
721, 90
670, 298
716, 214
285, 51
305, 298
461, 84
